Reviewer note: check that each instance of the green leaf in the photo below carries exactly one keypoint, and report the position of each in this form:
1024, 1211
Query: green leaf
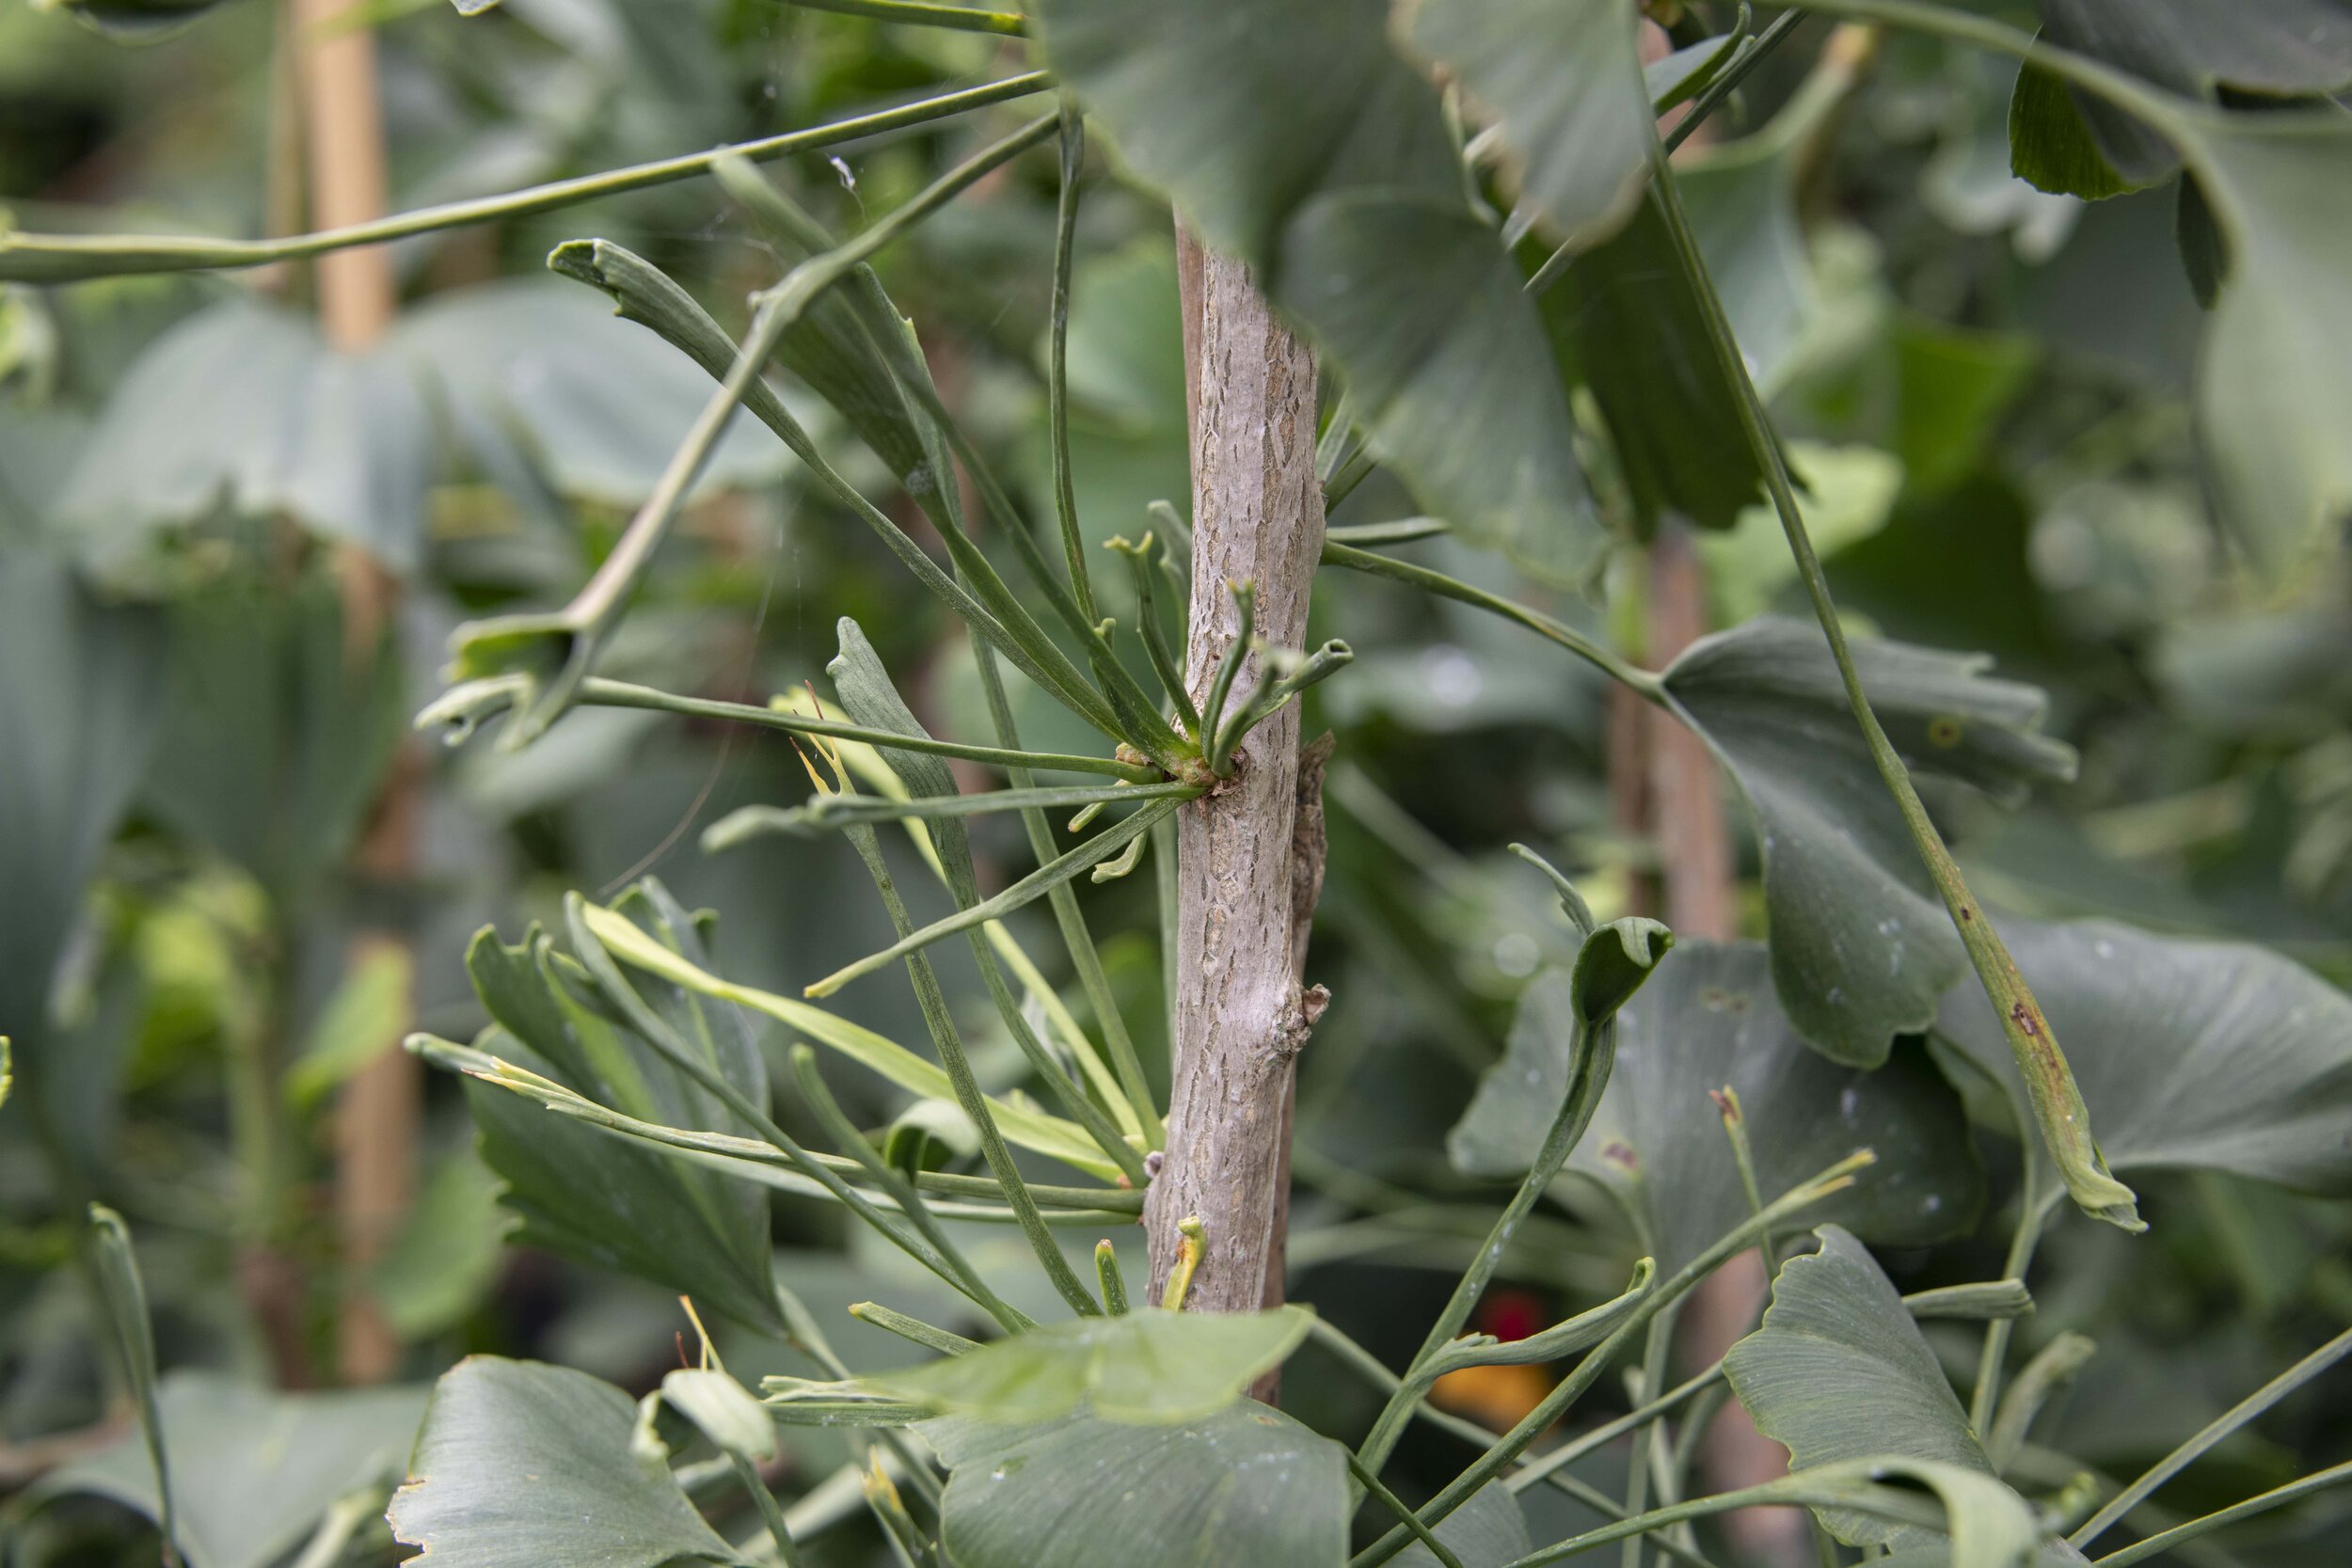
277, 736
723, 1410
2276, 373
1293, 135
1613, 963
2197, 1054
115, 1267
1247, 1485
1657, 1141
2051, 144
533, 372
241, 408
252, 1470
578, 1192
1567, 86
81, 694
445, 1259
1953, 384
1862, 948
133, 21
357, 1024
1148, 1365
1628, 318
1839, 1371
523, 1464
1488, 1531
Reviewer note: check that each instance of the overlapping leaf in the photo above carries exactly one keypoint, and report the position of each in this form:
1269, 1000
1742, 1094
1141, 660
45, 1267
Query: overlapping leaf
1862, 949
1247, 1484
588, 1195
521, 1464
1567, 84
252, 1470
1293, 135
1710, 1020
1839, 1371
2197, 1054
1146, 1366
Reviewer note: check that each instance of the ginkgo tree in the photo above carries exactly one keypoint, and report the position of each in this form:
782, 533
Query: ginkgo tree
1479, 246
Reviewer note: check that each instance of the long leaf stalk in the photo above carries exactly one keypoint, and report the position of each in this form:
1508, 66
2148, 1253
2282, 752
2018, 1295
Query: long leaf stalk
965, 1197
1066, 1141
1591, 1054
1593, 652
646, 295
1074, 152
1054, 873
1164, 664
1116, 702
1851, 1486
842, 1131
2179, 1535
1992, 1355
1134, 1110
948, 1042
578, 632
29, 258
465, 705
915, 13
1833, 1179
2214, 1432
658, 1033
2065, 1121
1222, 732
828, 812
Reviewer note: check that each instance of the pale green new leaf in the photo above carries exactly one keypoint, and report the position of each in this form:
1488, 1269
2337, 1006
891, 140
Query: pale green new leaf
1862, 948
523, 1464
1147, 1366
723, 1410
2193, 1054
1839, 1373
1245, 1485
1708, 1021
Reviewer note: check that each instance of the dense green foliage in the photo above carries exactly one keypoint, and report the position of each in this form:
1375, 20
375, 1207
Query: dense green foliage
854, 455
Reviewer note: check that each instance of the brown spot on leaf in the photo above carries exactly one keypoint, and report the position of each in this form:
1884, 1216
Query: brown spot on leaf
2025, 1019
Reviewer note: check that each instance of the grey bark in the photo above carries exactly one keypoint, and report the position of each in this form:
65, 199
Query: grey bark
1241, 1016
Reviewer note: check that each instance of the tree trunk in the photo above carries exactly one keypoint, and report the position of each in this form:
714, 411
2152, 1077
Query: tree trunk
379, 1112
1245, 893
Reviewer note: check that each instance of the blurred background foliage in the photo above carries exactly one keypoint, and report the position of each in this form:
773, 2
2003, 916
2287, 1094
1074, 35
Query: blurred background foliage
1986, 389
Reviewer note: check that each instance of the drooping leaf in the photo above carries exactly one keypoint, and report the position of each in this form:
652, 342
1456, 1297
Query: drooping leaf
2208, 1056
1567, 84
1840, 1371
82, 691
1862, 949
1148, 1365
276, 735
1338, 181
252, 1470
2283, 48
2051, 146
1631, 320
724, 1410
242, 410
2276, 370
521, 1464
1710, 1020
585, 1196
1247, 1484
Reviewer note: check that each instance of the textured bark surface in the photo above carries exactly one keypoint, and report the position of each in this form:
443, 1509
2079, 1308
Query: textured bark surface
1240, 1015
